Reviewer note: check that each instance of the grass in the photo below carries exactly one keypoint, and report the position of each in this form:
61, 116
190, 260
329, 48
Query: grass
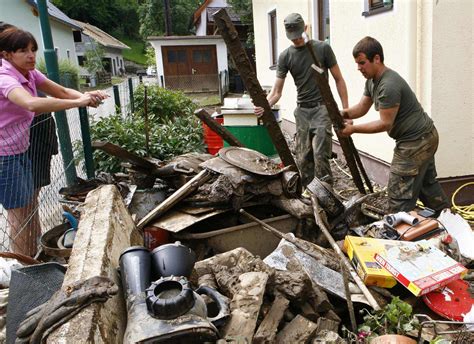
137, 51
205, 99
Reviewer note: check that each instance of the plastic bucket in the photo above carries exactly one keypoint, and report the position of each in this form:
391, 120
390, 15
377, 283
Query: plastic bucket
213, 141
135, 265
254, 137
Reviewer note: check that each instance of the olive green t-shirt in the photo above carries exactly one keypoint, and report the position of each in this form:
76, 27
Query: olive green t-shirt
298, 61
391, 90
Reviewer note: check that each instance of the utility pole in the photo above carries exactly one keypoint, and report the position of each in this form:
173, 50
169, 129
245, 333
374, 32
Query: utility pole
167, 18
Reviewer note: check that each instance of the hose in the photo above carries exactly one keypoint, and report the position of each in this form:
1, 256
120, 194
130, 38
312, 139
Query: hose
466, 211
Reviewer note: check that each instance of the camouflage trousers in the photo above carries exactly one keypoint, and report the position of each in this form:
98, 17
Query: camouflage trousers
313, 143
413, 175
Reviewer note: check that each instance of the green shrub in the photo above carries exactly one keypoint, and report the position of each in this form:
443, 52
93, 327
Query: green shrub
163, 104
68, 72
173, 129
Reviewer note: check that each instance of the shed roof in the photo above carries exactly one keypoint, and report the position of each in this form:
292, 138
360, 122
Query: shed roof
100, 36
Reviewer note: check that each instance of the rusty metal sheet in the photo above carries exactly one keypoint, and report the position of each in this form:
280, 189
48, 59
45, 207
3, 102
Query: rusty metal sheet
177, 220
250, 160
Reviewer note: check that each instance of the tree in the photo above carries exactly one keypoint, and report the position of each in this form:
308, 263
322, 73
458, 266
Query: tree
152, 17
94, 59
116, 17
244, 9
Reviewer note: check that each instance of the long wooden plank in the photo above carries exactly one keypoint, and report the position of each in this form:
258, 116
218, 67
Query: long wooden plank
217, 128
249, 77
350, 152
124, 155
177, 196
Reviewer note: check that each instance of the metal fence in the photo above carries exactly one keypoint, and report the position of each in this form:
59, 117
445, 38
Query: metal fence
30, 180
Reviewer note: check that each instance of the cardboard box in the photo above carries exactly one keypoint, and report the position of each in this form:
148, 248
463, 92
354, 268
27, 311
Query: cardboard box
419, 266
361, 252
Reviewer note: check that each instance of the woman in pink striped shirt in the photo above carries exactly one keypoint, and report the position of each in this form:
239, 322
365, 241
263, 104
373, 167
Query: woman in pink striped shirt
19, 82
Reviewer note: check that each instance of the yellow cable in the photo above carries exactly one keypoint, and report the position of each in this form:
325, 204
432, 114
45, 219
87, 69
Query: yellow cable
466, 211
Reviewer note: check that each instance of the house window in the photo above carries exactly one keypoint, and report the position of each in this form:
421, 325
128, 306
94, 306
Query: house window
77, 36
68, 53
273, 38
372, 7
81, 60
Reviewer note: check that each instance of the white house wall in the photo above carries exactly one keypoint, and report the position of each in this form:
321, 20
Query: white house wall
429, 42
201, 29
19, 13
221, 51
266, 76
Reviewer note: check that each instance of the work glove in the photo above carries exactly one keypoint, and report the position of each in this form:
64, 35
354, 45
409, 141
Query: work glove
62, 306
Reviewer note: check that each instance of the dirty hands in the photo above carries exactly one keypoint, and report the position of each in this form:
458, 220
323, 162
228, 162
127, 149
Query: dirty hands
96, 98
348, 128
258, 111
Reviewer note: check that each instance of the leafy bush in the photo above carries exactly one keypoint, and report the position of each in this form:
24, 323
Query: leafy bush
68, 72
394, 318
163, 104
173, 129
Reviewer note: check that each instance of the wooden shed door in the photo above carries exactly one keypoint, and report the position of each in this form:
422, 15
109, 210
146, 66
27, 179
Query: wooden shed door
192, 68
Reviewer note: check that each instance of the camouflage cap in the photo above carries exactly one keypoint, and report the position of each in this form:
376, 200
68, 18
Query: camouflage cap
294, 26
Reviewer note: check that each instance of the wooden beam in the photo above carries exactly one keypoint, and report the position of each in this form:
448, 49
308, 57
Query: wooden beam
217, 128
350, 152
249, 77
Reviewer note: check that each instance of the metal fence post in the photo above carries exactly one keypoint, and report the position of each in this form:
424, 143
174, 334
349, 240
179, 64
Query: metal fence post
117, 97
130, 91
53, 73
86, 142
221, 91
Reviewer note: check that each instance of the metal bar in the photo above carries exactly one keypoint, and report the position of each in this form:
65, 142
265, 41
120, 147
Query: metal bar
117, 96
53, 74
130, 91
86, 142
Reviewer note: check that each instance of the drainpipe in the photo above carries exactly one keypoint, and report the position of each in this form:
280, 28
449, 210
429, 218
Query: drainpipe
412, 46
53, 74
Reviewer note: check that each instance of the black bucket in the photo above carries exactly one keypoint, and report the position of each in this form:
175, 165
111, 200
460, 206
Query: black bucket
173, 260
135, 264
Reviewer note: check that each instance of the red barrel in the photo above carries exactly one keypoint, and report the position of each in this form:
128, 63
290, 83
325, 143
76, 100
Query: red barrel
213, 141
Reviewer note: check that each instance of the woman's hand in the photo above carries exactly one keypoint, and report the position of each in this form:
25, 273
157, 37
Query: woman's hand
97, 97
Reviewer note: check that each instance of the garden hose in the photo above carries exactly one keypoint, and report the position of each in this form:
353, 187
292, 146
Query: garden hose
466, 211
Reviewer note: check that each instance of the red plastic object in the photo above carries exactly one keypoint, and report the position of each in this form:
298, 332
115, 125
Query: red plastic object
213, 141
452, 301
154, 237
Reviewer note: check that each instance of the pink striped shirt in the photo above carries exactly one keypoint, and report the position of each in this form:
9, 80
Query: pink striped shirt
15, 121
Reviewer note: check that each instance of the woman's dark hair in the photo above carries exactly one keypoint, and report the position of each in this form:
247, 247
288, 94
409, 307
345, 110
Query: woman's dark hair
370, 47
12, 39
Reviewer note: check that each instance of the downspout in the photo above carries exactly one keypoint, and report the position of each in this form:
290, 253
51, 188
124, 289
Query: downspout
411, 55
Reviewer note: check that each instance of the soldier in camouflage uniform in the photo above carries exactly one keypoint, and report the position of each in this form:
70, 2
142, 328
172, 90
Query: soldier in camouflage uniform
413, 171
313, 125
